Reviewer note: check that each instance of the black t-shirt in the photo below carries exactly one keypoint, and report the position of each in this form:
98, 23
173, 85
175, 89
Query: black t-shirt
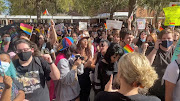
16, 86
116, 96
162, 59
99, 57
104, 73
34, 77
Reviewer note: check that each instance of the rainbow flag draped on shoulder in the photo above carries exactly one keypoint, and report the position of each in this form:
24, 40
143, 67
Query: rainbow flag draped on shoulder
127, 49
160, 29
26, 28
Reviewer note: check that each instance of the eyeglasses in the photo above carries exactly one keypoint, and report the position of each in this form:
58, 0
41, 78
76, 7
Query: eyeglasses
22, 50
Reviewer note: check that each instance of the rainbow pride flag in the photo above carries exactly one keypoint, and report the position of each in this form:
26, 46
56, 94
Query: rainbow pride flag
26, 28
105, 25
127, 49
46, 12
175, 5
172, 24
160, 29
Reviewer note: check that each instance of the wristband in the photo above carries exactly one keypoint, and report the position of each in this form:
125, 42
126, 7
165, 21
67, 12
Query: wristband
51, 63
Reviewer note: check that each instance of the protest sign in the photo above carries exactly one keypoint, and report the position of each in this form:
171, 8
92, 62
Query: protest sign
141, 23
176, 51
60, 27
172, 15
82, 26
114, 24
174, 4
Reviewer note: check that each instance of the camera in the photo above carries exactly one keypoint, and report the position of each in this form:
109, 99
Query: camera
79, 57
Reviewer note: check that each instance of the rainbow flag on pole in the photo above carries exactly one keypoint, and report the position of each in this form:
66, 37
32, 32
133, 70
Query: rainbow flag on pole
105, 25
46, 12
26, 28
127, 49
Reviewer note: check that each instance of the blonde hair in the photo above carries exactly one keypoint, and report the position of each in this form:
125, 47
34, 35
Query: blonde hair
165, 31
136, 68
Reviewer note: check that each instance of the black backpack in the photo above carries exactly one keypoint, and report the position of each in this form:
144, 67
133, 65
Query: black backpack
179, 70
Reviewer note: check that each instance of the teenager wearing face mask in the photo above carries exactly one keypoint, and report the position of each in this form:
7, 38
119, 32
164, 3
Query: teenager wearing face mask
34, 72
151, 39
6, 39
160, 56
11, 89
141, 41
150, 42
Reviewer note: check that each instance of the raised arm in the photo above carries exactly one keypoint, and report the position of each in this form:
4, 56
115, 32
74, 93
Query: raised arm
152, 54
53, 35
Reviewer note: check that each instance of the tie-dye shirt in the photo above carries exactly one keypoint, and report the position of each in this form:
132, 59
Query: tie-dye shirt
16, 86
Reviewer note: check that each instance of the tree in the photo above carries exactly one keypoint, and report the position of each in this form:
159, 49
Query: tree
94, 7
37, 7
3, 6
154, 5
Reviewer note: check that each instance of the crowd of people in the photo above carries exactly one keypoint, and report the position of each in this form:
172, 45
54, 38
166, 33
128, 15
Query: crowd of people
53, 64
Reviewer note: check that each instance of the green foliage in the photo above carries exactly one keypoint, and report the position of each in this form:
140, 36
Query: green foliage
154, 5
94, 7
3, 6
28, 7
65, 5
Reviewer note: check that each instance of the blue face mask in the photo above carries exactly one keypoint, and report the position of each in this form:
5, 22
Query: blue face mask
92, 41
4, 66
166, 44
143, 40
7, 39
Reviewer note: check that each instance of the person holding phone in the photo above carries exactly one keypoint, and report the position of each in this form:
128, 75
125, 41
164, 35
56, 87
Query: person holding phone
160, 56
107, 66
67, 88
134, 73
10, 88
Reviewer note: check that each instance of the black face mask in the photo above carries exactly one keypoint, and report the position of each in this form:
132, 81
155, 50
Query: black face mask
151, 43
24, 56
166, 44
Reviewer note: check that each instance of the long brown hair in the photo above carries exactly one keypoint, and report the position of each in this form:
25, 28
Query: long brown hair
87, 50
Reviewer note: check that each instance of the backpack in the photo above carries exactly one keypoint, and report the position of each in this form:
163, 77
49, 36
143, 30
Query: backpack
179, 70
38, 61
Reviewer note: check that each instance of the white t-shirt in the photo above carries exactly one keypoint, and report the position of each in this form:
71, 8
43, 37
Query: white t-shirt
92, 51
171, 74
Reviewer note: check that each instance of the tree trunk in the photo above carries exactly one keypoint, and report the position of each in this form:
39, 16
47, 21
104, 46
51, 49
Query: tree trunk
156, 19
38, 11
132, 5
111, 15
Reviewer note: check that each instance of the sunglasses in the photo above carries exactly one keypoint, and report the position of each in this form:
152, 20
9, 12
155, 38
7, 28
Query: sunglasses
101, 45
